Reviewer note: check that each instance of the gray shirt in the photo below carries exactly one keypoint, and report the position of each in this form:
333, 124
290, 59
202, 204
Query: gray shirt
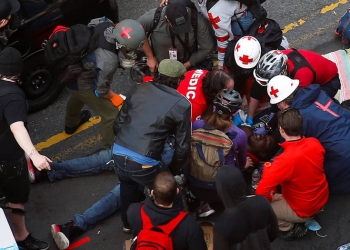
161, 38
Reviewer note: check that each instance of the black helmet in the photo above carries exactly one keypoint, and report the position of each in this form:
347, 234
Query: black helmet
228, 101
271, 64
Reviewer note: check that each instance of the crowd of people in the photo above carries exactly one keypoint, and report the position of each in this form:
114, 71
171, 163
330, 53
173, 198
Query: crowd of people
147, 136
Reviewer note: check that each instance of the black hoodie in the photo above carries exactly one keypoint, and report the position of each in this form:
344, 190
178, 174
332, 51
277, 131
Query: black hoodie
246, 223
188, 235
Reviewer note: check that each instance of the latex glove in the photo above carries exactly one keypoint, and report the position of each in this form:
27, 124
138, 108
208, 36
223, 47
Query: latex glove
237, 120
260, 131
271, 116
118, 100
249, 121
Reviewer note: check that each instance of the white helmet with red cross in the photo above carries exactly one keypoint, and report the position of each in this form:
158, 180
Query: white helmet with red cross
247, 52
280, 87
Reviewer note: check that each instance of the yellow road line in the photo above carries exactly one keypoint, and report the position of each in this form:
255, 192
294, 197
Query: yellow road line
63, 154
324, 10
62, 136
333, 6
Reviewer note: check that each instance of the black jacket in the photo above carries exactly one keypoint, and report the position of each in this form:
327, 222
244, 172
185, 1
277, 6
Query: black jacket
148, 116
246, 223
188, 235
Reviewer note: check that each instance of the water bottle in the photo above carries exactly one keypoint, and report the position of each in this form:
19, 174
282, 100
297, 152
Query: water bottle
255, 179
344, 247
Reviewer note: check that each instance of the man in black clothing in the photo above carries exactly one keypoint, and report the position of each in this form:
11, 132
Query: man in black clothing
187, 235
14, 144
246, 223
151, 113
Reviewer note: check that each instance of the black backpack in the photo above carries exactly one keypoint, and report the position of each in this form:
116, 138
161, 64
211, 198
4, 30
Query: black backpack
67, 46
269, 34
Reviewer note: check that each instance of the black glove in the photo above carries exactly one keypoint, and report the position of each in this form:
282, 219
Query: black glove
15, 22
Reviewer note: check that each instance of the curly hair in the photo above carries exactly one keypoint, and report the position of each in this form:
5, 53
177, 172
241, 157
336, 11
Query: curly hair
172, 82
213, 82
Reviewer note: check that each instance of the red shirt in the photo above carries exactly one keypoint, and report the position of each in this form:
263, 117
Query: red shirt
299, 170
324, 68
191, 88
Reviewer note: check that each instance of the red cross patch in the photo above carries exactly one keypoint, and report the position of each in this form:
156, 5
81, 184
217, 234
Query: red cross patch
237, 47
274, 92
214, 20
245, 59
126, 32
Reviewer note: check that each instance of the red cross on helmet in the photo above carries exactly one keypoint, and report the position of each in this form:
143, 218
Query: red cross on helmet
247, 52
280, 87
129, 33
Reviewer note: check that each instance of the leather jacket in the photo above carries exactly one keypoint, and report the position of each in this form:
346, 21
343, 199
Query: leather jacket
150, 114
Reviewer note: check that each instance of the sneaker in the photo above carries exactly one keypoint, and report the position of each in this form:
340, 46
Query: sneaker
205, 210
62, 234
84, 117
126, 230
299, 230
2, 195
33, 173
30, 243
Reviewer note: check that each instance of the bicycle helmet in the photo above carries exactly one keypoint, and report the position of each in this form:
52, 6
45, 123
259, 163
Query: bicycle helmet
280, 87
271, 64
247, 52
129, 33
228, 101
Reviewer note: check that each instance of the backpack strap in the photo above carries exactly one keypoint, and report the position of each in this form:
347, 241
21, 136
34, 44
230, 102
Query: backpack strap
300, 64
167, 228
156, 19
194, 23
201, 154
171, 225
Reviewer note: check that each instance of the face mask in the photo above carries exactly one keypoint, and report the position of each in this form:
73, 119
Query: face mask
314, 226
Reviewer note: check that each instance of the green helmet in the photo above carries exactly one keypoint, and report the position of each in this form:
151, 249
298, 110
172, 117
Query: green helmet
129, 33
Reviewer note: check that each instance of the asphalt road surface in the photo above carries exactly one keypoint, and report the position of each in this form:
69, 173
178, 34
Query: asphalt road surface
307, 25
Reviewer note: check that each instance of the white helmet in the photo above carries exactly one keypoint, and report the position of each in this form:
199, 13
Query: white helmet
247, 52
280, 87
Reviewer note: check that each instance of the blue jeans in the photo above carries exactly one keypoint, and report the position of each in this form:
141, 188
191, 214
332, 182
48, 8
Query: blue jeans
102, 209
89, 165
246, 20
131, 175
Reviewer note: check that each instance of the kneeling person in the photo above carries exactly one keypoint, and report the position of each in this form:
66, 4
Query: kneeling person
160, 211
302, 197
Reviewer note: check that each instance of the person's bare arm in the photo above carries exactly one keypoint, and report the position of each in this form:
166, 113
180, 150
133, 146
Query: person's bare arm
253, 106
163, 3
23, 139
151, 59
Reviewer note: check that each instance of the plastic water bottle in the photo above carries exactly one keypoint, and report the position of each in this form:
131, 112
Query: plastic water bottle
344, 247
255, 179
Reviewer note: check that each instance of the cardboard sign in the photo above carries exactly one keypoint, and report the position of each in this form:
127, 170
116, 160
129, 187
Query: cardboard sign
127, 244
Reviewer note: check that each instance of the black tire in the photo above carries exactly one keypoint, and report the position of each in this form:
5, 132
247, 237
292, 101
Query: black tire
40, 84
